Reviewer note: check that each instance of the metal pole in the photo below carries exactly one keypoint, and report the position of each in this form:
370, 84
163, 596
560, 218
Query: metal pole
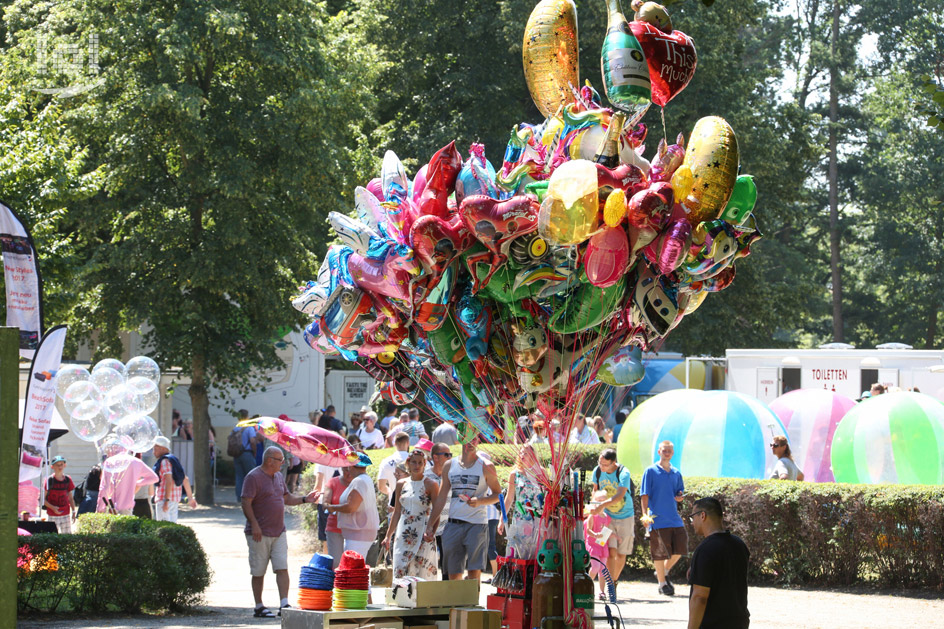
9, 470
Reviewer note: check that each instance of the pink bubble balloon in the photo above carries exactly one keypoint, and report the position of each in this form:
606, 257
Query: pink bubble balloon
810, 417
607, 257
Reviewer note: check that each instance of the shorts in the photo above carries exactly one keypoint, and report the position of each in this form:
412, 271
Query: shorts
358, 546
624, 533
663, 543
297, 469
465, 546
173, 510
274, 549
63, 523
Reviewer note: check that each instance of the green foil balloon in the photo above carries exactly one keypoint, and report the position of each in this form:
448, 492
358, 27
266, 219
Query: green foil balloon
891, 438
586, 307
447, 343
741, 203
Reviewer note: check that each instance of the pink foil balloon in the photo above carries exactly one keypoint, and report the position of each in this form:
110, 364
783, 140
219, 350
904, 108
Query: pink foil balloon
375, 187
810, 417
607, 256
669, 249
379, 277
651, 207
419, 184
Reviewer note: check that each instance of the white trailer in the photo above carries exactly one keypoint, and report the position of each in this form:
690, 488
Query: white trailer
768, 373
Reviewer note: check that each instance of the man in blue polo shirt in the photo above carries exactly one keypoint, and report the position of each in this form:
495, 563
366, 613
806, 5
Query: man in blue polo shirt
662, 489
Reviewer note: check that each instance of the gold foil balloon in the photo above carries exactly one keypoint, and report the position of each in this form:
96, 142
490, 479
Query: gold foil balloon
569, 212
614, 210
682, 180
550, 54
712, 156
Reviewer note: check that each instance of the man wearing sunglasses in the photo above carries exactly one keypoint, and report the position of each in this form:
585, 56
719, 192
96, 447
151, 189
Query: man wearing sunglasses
718, 572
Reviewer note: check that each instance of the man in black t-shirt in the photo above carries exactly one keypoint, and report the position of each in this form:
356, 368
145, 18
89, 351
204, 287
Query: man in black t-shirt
718, 572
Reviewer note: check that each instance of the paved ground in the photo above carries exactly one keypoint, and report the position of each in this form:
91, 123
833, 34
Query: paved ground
229, 601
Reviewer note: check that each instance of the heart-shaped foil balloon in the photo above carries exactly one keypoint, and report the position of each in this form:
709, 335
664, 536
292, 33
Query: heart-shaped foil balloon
671, 58
495, 222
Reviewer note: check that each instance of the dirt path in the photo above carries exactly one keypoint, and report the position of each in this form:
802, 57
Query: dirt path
229, 601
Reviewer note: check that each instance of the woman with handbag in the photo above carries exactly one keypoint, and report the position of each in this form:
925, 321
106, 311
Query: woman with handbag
415, 495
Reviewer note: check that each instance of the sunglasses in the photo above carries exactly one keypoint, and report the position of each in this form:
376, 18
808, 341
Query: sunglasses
691, 517
777, 445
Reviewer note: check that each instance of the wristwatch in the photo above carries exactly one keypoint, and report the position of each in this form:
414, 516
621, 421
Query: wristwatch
304, 499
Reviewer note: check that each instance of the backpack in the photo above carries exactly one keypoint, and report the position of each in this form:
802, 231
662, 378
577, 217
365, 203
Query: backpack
619, 472
177, 470
78, 494
234, 443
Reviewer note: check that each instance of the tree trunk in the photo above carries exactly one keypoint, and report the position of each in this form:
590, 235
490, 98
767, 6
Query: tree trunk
834, 232
935, 292
200, 402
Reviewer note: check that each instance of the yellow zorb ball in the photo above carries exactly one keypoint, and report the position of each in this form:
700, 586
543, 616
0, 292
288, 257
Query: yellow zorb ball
570, 212
712, 157
550, 55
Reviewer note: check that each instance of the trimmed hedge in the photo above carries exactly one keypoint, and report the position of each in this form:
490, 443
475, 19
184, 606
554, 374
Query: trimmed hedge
181, 542
116, 563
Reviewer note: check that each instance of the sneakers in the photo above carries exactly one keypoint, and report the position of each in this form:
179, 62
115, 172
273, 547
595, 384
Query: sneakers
667, 589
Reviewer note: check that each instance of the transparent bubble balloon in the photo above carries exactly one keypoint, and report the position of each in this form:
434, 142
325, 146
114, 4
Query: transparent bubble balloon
87, 409
121, 400
106, 379
148, 396
144, 367
89, 428
140, 429
69, 375
111, 363
80, 392
113, 444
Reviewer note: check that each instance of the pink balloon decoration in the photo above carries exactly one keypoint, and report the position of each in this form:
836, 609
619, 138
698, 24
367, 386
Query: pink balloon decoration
419, 184
307, 442
670, 248
810, 417
379, 277
651, 207
607, 256
375, 187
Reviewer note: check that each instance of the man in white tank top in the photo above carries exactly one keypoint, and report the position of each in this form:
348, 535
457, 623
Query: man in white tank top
466, 484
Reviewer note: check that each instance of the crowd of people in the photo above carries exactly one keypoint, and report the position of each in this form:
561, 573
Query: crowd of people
443, 521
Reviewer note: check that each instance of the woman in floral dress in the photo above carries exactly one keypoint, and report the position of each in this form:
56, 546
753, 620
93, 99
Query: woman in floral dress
415, 496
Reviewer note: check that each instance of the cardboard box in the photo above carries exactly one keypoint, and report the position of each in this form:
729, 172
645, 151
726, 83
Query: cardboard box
474, 618
442, 624
414, 594
383, 623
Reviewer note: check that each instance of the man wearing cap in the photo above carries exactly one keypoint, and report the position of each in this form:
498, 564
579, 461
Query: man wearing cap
167, 496
466, 485
263, 500
60, 502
